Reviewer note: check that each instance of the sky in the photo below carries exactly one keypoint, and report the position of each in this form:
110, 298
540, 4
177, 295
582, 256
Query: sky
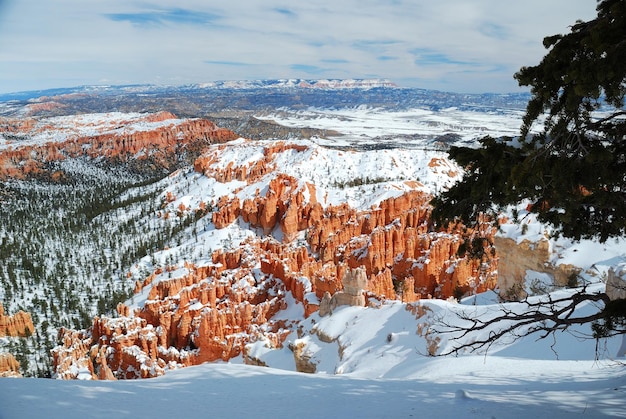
470, 46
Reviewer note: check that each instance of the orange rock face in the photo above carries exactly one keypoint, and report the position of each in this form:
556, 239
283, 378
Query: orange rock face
114, 138
70, 357
209, 314
9, 367
19, 324
392, 242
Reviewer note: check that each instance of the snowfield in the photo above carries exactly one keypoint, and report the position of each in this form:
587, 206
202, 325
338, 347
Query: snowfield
366, 125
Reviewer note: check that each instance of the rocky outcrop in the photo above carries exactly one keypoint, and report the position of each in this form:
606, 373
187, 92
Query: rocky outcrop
616, 282
227, 213
354, 283
19, 324
9, 367
515, 259
155, 138
302, 358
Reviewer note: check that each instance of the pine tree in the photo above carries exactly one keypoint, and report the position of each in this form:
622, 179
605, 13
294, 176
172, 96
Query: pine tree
574, 170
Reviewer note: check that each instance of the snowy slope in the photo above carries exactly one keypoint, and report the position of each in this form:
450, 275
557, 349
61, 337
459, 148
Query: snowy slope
384, 173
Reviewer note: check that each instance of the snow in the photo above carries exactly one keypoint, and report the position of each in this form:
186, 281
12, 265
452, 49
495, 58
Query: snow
364, 124
383, 374
63, 128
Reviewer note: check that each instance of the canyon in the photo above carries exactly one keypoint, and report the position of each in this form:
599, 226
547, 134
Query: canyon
301, 252
294, 236
266, 235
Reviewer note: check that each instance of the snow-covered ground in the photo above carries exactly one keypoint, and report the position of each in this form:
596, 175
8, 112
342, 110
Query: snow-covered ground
241, 391
448, 388
366, 126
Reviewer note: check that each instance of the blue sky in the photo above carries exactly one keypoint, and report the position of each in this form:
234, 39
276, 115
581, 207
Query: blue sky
454, 45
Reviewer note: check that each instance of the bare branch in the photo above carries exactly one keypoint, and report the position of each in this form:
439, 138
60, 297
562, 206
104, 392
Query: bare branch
516, 320
614, 115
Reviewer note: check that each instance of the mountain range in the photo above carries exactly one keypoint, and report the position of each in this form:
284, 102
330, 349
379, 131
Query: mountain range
199, 99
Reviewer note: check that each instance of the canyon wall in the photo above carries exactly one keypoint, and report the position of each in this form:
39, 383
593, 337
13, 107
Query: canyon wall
157, 139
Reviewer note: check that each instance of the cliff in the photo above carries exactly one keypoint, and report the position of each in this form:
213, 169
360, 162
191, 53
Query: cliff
157, 139
19, 324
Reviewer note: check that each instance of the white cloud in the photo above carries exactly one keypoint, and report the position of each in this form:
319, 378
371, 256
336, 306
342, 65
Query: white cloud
447, 45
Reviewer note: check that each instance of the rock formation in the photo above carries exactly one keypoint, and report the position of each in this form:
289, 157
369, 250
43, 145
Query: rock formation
158, 138
69, 358
354, 283
517, 258
19, 324
616, 282
9, 367
322, 256
209, 314
301, 358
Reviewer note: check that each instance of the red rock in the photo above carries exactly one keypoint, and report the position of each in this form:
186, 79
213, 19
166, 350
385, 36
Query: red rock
160, 144
227, 212
72, 355
9, 367
19, 324
212, 312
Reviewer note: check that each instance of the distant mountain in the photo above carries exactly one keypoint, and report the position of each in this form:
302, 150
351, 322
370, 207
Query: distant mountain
301, 83
259, 95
